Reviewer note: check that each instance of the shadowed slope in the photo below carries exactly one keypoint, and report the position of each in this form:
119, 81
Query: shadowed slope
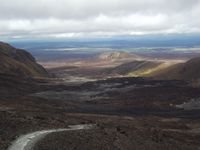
183, 71
135, 68
19, 62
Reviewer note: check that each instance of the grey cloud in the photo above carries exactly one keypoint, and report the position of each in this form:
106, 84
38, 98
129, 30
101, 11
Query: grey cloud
68, 18
66, 9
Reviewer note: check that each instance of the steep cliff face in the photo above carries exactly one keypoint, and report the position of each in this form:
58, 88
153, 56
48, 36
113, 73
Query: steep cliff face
19, 62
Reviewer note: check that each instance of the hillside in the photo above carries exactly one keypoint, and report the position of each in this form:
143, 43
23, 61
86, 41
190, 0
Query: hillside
182, 71
116, 55
134, 68
19, 62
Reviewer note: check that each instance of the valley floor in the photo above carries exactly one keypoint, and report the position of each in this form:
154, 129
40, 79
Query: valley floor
129, 113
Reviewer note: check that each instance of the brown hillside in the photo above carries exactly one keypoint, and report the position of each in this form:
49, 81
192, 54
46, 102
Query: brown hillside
19, 62
183, 71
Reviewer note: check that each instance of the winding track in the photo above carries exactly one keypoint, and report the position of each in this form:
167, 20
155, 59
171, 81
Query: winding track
27, 142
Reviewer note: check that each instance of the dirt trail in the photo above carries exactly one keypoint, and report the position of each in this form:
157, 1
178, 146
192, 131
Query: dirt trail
27, 142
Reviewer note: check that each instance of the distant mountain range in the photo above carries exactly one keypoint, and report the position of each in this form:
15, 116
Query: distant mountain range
20, 62
137, 66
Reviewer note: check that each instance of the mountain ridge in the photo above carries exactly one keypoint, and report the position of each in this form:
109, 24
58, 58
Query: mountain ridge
19, 62
116, 55
190, 70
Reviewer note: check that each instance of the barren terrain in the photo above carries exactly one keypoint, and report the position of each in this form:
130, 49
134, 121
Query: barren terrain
128, 112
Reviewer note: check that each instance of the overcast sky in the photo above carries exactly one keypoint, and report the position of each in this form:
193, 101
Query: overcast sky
29, 19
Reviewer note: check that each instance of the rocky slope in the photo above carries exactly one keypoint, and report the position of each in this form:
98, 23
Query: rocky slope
183, 71
135, 68
19, 62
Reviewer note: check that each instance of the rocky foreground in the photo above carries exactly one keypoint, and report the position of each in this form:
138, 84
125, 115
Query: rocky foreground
143, 115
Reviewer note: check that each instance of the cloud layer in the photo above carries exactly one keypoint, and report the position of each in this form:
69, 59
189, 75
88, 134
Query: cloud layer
96, 18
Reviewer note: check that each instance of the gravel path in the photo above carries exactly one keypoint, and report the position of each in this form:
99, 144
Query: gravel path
27, 142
